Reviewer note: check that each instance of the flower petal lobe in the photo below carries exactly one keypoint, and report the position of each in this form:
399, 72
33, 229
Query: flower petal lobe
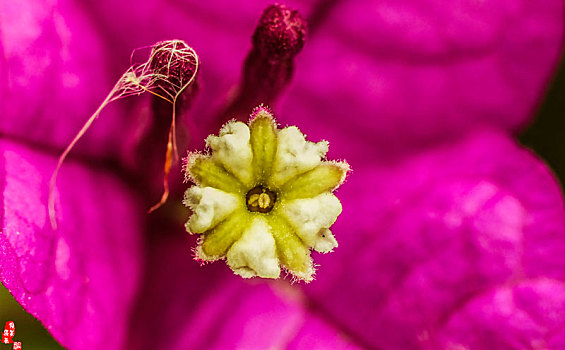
255, 253
82, 277
232, 149
325, 242
209, 207
295, 155
310, 216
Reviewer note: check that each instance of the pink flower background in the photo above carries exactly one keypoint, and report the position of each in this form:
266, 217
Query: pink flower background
452, 235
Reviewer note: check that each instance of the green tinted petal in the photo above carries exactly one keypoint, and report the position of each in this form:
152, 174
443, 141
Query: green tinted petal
218, 240
264, 145
325, 177
294, 255
207, 173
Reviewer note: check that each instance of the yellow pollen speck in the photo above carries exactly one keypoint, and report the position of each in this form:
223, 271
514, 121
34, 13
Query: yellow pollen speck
253, 199
264, 200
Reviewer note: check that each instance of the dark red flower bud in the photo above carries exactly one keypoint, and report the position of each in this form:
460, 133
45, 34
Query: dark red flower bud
281, 33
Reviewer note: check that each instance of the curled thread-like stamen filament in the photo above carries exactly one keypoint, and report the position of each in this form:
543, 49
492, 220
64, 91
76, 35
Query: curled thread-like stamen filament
156, 76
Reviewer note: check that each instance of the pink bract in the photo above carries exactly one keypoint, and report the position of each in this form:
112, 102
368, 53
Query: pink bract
452, 235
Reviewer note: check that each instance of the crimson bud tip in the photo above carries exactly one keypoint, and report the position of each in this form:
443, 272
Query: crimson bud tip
281, 33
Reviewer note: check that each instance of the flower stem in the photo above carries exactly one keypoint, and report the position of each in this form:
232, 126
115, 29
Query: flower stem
269, 66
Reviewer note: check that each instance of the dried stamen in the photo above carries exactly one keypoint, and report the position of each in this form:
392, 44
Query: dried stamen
162, 75
178, 62
176, 65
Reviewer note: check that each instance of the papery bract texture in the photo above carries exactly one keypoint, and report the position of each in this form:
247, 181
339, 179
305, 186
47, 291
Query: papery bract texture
405, 73
55, 74
264, 316
79, 280
446, 245
526, 314
459, 246
215, 310
62, 58
402, 74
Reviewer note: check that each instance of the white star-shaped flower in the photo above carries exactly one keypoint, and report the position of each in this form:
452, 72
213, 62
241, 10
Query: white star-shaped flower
263, 198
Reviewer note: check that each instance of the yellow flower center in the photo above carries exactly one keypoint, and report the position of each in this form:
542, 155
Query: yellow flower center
260, 199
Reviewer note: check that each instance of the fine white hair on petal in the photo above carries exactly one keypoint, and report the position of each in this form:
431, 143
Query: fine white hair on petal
201, 256
295, 155
325, 242
233, 150
310, 216
209, 207
254, 254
